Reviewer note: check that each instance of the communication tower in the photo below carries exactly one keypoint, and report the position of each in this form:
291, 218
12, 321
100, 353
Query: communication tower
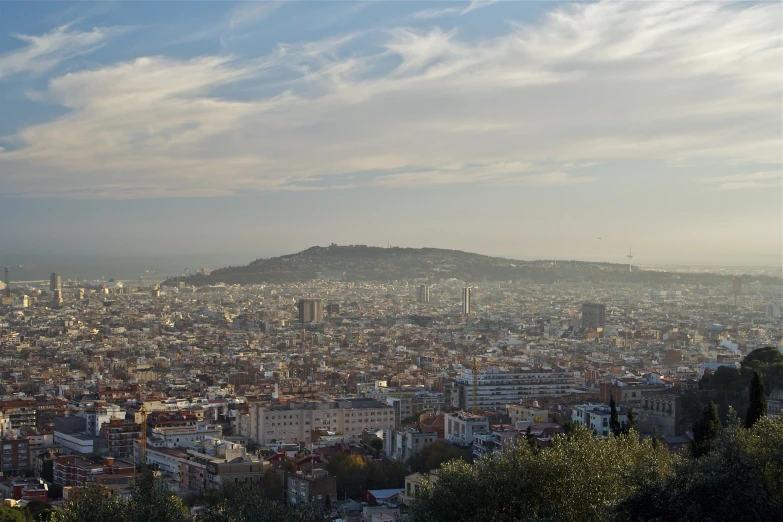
629, 256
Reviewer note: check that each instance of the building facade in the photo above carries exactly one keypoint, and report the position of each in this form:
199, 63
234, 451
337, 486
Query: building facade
496, 388
311, 310
462, 427
296, 423
594, 316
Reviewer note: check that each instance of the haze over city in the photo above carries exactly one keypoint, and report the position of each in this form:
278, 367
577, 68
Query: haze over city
230, 131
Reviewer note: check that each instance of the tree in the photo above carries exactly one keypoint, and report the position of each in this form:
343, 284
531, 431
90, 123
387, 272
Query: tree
531, 438
434, 455
705, 430
92, 504
377, 445
559, 483
243, 502
9, 514
47, 470
758, 401
630, 424
738, 480
273, 485
614, 418
151, 501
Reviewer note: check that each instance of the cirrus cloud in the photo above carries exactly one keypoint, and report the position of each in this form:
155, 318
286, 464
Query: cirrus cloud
589, 83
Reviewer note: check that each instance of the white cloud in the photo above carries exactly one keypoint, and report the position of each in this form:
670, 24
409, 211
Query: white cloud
763, 179
244, 16
44, 52
427, 14
592, 82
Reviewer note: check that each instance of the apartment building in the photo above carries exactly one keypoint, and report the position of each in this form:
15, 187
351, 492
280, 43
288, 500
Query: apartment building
214, 463
462, 427
15, 450
408, 403
296, 422
402, 444
119, 436
520, 412
597, 417
495, 388
70, 470
311, 487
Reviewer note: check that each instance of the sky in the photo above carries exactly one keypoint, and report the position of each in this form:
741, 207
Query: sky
221, 132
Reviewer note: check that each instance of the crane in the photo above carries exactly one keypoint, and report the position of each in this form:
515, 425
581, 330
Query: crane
143, 436
474, 367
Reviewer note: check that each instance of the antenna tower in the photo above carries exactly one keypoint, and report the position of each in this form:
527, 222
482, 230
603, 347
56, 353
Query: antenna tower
629, 256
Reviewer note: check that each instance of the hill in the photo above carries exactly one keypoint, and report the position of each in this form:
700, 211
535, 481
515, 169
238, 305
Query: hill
366, 263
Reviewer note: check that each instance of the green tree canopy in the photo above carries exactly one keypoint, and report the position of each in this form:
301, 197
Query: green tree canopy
245, 503
705, 430
740, 479
757, 406
434, 455
575, 479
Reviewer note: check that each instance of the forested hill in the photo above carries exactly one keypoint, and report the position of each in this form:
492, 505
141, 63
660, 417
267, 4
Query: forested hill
366, 263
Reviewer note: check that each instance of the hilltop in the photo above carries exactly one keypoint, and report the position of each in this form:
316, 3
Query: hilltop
367, 263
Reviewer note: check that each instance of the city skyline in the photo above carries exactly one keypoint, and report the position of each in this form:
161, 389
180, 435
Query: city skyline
526, 130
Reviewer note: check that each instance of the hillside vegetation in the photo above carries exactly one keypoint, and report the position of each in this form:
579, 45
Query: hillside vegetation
365, 263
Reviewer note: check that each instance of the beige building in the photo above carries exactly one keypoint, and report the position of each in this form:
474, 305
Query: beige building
295, 423
527, 413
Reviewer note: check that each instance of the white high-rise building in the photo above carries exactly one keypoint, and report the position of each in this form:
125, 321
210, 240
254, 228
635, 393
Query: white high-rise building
773, 310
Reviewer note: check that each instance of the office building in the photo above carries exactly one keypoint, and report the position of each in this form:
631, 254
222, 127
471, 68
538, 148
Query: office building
466, 296
594, 316
311, 310
773, 310
55, 282
424, 294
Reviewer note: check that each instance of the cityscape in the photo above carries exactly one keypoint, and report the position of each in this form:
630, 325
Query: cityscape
213, 384
383, 261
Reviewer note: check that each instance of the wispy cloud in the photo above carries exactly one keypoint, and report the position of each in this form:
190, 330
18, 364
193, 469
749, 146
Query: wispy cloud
243, 17
44, 52
679, 82
427, 14
754, 180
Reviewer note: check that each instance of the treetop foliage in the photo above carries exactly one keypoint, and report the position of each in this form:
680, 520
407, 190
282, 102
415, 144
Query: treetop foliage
580, 478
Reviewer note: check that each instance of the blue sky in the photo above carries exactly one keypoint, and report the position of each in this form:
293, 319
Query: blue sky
524, 129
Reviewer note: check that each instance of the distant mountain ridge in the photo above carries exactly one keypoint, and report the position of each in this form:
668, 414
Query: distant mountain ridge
368, 263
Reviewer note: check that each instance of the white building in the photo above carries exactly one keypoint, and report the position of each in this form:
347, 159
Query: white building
597, 417
497, 388
461, 427
183, 436
665, 296
97, 416
402, 444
